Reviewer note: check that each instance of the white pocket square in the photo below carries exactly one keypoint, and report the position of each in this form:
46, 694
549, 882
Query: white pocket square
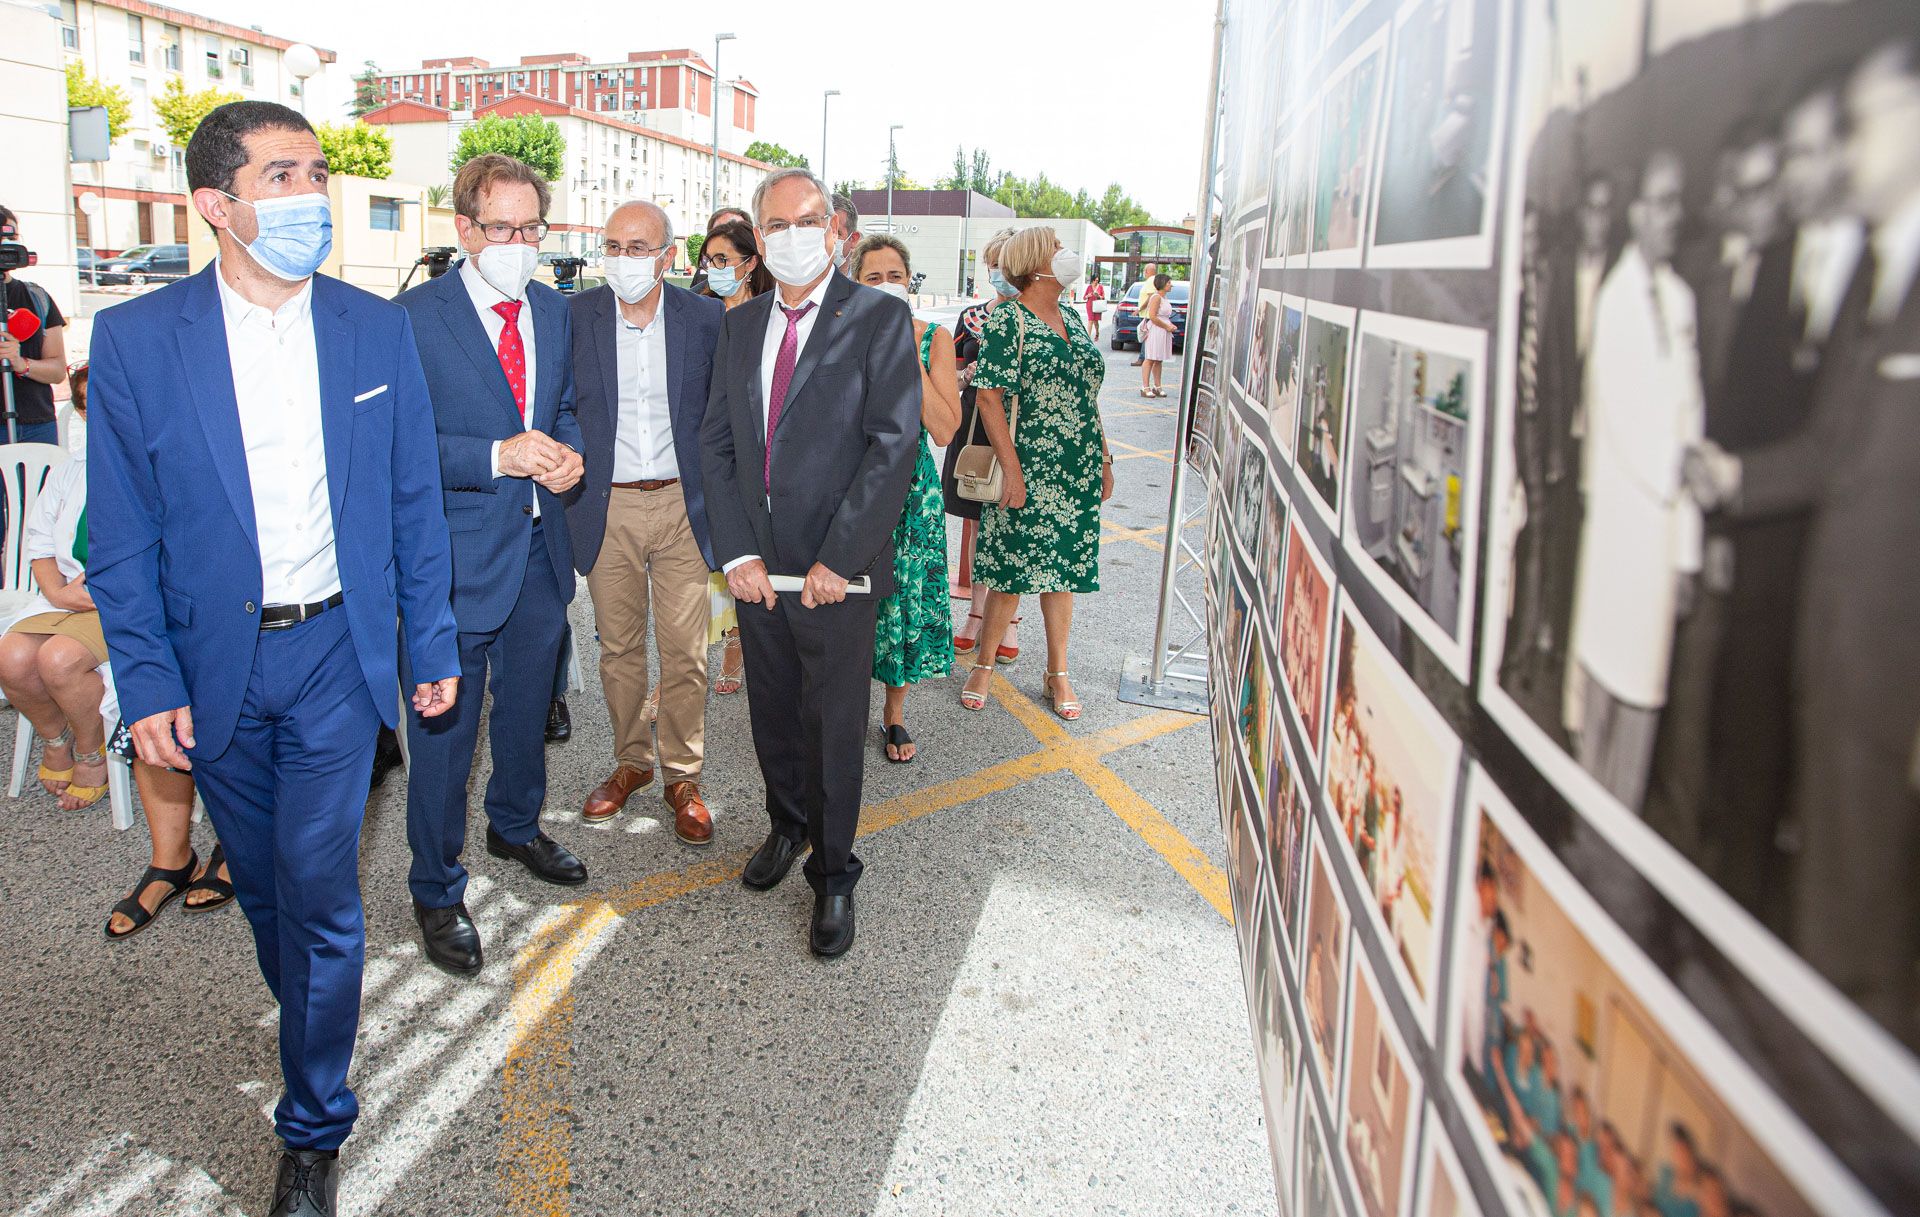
369, 393
1901, 367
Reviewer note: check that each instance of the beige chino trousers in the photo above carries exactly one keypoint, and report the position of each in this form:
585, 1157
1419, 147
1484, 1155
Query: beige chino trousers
650, 565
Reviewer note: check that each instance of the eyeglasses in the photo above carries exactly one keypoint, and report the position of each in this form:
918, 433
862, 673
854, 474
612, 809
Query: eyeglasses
814, 222
632, 249
721, 261
499, 234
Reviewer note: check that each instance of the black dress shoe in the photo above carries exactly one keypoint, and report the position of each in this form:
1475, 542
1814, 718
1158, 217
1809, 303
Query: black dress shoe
559, 722
451, 940
770, 863
832, 930
307, 1184
386, 756
544, 856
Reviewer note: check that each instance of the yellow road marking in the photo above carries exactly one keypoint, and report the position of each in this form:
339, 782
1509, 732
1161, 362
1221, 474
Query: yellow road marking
537, 1080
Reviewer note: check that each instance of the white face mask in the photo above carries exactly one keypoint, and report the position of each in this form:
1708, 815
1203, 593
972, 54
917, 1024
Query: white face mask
1067, 268
897, 290
798, 255
631, 278
507, 267
77, 438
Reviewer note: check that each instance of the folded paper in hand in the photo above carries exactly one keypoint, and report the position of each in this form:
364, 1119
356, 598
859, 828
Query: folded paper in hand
859, 585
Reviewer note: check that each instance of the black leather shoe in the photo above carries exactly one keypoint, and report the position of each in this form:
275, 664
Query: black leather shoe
559, 722
544, 856
307, 1184
770, 863
832, 930
451, 941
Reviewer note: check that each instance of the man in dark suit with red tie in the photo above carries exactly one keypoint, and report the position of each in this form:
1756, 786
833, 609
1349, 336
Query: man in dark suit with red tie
807, 449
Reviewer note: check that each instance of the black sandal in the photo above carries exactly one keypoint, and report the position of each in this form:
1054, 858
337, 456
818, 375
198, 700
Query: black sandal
137, 913
894, 735
209, 882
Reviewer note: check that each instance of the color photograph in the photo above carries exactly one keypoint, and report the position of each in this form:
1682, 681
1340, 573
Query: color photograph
1253, 721
1304, 615
1443, 1185
1319, 1192
1322, 978
1266, 312
1283, 374
1321, 436
1349, 119
1290, 207
1287, 817
1277, 1037
1389, 779
1244, 854
1378, 1124
1447, 96
1413, 487
1586, 1073
1273, 547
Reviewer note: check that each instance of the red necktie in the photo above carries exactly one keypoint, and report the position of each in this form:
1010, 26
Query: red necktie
513, 353
782, 377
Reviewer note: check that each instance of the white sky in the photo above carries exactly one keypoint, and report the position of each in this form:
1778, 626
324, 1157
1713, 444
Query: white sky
1068, 100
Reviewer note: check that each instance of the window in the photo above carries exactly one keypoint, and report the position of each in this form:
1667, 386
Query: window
136, 39
171, 53
139, 90
383, 215
177, 165
70, 24
244, 58
215, 70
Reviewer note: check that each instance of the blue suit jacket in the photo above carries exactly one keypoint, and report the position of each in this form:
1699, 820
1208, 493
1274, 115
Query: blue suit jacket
174, 557
693, 326
491, 519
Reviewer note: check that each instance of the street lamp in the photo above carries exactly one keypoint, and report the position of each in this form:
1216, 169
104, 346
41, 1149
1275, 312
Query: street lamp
893, 171
717, 40
304, 62
823, 136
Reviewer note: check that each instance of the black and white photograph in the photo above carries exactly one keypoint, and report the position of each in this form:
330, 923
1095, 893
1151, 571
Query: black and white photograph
1320, 438
1273, 548
1705, 639
1343, 178
1319, 1190
1278, 1040
1244, 287
1266, 316
1245, 851
1586, 1077
1283, 374
1440, 150
1250, 500
1413, 487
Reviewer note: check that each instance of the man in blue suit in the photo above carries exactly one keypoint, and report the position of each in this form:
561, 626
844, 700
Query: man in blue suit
643, 356
264, 503
496, 348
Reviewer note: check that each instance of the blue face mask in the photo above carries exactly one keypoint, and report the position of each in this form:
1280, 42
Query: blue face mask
999, 282
296, 234
723, 281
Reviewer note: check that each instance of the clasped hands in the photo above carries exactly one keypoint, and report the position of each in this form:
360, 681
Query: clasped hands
749, 582
1710, 474
537, 455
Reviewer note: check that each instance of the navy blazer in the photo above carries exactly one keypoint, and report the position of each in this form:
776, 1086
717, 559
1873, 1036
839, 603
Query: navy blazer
844, 452
173, 558
693, 326
491, 518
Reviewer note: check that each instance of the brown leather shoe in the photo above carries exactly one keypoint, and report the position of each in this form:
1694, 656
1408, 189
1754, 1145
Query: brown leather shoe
691, 821
611, 795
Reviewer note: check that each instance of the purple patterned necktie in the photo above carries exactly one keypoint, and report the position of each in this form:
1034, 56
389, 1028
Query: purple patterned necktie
782, 377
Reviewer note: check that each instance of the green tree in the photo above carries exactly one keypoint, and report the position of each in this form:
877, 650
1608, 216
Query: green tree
526, 137
695, 243
366, 91
357, 149
437, 195
980, 172
84, 90
1116, 209
180, 111
774, 154
848, 186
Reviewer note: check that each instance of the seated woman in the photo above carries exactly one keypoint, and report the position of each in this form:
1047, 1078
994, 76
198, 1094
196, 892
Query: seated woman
53, 670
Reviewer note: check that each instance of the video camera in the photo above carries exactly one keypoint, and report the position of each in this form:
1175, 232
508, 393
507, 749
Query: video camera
566, 273
14, 256
436, 258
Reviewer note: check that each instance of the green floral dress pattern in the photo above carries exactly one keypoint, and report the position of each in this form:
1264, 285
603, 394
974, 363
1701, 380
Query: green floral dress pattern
913, 638
1053, 543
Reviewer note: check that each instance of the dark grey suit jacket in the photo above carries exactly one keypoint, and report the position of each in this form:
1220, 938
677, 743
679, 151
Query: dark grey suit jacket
844, 450
693, 326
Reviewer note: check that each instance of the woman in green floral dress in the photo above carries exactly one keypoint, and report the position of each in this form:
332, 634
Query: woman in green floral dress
913, 639
1044, 534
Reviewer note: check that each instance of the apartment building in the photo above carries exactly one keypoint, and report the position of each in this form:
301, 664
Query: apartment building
139, 47
671, 92
608, 161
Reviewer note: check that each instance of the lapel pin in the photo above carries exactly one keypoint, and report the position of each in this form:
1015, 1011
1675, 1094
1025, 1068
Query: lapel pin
839, 312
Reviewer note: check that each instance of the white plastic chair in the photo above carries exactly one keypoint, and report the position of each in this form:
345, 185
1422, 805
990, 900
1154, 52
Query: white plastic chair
23, 469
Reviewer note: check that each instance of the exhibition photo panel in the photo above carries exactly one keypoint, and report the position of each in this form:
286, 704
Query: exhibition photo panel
1380, 1114
1349, 124
1288, 817
1323, 975
1306, 612
1321, 434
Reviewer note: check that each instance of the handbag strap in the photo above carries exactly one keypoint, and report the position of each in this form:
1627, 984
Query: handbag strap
1013, 395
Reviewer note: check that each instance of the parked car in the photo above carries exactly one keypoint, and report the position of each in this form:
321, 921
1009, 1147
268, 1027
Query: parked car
144, 264
1126, 317
86, 262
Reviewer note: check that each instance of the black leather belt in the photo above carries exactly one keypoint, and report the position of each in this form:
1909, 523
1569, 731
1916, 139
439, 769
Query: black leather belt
648, 484
286, 616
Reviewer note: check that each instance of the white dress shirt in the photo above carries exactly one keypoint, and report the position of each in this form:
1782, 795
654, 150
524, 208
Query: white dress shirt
52, 525
1825, 253
276, 384
1896, 251
643, 439
484, 296
770, 355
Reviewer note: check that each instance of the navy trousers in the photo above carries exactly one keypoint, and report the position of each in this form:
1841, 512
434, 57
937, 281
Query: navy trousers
287, 797
520, 656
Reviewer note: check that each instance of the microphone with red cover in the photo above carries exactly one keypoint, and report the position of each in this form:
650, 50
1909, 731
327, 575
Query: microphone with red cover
22, 324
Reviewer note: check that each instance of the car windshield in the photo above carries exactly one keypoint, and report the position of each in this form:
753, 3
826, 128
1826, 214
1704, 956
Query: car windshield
1134, 293
1178, 292
138, 251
